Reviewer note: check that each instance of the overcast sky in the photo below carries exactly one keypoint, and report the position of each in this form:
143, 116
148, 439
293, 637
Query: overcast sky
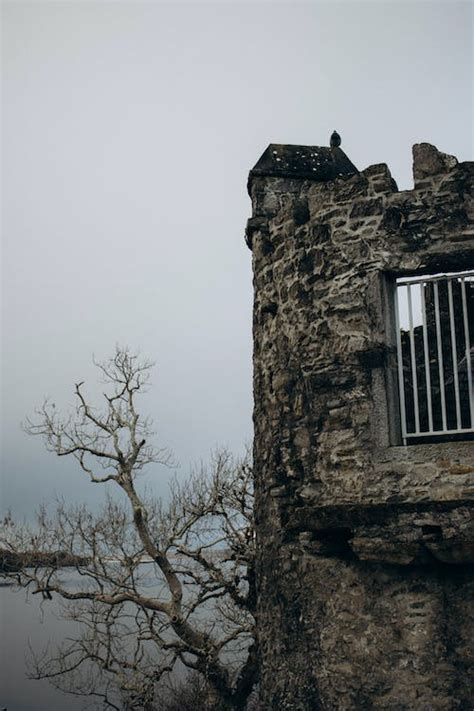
129, 129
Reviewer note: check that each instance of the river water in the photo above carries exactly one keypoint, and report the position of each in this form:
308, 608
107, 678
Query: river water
28, 623
25, 622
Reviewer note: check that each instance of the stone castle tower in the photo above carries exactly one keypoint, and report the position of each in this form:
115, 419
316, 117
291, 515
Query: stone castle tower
364, 461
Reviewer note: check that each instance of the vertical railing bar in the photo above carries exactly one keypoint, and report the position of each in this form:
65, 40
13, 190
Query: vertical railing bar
400, 369
414, 378
440, 355
429, 404
455, 353
468, 350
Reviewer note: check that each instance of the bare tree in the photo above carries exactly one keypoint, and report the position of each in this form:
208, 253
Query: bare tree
161, 588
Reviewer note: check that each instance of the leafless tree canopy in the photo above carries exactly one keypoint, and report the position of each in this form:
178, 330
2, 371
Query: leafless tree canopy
161, 587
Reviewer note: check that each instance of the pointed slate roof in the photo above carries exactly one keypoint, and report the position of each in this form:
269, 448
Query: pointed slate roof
319, 163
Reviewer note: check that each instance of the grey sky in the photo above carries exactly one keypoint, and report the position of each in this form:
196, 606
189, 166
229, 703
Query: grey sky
128, 132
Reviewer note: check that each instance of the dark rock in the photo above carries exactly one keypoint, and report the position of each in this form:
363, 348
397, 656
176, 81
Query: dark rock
367, 208
300, 212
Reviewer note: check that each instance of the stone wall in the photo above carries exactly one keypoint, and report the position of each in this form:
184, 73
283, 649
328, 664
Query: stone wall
366, 547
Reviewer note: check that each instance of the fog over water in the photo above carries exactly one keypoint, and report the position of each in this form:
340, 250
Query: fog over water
128, 132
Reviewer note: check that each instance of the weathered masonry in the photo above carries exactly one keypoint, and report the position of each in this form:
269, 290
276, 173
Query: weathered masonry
364, 462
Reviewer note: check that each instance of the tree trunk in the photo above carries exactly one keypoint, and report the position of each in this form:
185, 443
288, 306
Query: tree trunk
220, 700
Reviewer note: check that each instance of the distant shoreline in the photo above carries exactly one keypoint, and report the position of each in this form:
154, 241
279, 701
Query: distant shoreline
13, 562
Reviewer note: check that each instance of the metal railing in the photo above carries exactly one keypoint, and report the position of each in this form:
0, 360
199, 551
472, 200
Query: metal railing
434, 318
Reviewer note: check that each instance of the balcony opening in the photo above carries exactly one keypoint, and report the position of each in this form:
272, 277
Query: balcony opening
434, 317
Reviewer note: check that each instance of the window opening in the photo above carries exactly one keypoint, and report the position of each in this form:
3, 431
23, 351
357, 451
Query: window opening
435, 332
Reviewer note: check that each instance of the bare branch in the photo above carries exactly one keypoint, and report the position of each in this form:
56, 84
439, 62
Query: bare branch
156, 585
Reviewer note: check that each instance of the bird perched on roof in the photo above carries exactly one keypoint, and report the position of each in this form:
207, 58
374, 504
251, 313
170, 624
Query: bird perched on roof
335, 140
